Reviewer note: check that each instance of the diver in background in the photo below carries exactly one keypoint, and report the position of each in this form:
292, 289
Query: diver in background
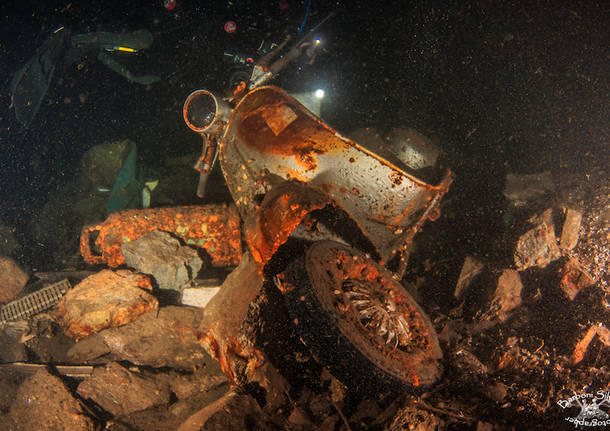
30, 83
106, 43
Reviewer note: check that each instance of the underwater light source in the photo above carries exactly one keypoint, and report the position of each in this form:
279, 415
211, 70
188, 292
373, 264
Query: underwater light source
312, 100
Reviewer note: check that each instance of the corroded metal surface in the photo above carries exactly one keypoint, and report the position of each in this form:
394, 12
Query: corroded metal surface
279, 214
272, 138
214, 228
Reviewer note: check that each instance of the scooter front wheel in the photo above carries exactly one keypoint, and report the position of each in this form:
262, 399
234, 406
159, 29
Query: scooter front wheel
358, 320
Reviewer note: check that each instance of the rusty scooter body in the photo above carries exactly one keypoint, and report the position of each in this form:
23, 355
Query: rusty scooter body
323, 219
353, 214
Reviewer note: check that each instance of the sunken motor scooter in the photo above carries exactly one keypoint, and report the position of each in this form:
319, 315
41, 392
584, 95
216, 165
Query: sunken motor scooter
352, 215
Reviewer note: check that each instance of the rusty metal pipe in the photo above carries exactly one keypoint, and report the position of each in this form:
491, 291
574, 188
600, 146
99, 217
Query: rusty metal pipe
213, 228
205, 163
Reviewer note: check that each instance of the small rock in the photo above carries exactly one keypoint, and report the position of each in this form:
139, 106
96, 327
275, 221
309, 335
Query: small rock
159, 254
337, 390
298, 417
329, 424
574, 279
507, 296
470, 269
497, 391
538, 246
275, 385
449, 335
188, 385
320, 405
44, 403
570, 230
583, 344
13, 349
366, 411
168, 418
484, 426
12, 279
106, 299
233, 411
120, 391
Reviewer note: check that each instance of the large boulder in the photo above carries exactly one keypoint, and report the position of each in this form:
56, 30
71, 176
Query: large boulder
167, 337
101, 164
120, 391
107, 299
159, 254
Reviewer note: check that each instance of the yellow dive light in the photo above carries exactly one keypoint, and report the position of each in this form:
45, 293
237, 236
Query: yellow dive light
124, 49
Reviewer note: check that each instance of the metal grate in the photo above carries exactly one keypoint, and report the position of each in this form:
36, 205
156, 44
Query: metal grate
34, 303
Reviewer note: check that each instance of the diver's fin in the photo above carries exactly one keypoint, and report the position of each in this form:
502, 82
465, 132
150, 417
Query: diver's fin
30, 83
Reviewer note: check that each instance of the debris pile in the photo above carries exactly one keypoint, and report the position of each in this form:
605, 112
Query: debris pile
288, 310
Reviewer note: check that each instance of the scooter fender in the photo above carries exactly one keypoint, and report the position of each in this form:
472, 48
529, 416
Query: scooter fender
279, 214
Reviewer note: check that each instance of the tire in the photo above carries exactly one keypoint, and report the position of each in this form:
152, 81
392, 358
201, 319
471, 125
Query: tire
359, 321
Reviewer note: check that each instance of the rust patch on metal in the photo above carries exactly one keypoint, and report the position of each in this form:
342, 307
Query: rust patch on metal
221, 356
229, 352
396, 178
214, 228
278, 117
281, 128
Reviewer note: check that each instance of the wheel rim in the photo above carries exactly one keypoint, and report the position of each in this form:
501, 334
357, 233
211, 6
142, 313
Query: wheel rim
369, 308
377, 311
368, 299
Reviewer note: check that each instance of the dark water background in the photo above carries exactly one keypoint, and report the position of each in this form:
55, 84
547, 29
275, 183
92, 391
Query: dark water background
505, 86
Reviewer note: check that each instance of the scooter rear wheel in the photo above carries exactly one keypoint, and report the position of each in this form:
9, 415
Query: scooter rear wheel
359, 321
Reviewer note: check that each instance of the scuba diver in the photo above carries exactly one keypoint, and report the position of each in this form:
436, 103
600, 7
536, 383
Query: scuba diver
30, 83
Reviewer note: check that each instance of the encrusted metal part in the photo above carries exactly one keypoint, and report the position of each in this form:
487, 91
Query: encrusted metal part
214, 228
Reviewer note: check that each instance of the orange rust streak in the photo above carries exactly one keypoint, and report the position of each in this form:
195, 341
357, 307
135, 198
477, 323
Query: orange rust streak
221, 356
